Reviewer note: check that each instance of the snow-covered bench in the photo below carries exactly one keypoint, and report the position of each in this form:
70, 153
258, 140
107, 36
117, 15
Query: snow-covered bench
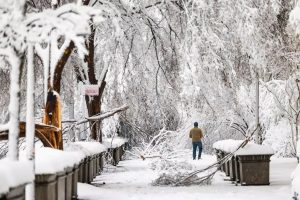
14, 175
116, 148
249, 165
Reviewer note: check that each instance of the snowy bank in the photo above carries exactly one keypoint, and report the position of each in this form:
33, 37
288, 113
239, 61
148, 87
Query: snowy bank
49, 161
250, 148
114, 142
14, 173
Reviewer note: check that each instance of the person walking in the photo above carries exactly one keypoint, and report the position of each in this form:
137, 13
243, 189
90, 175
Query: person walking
196, 135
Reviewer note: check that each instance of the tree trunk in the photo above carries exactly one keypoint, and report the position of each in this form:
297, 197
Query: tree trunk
60, 66
93, 103
94, 107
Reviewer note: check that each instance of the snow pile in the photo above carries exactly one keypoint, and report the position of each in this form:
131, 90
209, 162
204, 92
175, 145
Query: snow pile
227, 145
14, 173
89, 148
49, 161
114, 142
255, 149
296, 181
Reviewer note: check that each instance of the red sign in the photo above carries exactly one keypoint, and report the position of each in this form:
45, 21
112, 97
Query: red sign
91, 90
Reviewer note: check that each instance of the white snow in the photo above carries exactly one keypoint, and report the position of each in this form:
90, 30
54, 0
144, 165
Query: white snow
14, 173
14, 107
250, 148
132, 179
296, 180
227, 145
278, 136
114, 142
71, 147
50, 160
255, 149
89, 148
30, 125
294, 19
4, 127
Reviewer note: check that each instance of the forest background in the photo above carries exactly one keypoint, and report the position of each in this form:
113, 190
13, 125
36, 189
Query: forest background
176, 62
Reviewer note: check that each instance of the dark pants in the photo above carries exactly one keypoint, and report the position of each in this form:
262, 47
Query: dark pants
195, 145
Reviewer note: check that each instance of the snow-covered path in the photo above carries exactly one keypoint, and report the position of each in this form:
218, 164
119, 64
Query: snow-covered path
131, 180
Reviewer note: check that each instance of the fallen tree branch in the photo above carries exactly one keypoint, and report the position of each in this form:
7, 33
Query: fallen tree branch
103, 116
98, 117
108, 114
94, 118
38, 127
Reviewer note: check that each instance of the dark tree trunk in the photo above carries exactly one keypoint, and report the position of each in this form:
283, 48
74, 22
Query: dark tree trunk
93, 103
60, 66
63, 60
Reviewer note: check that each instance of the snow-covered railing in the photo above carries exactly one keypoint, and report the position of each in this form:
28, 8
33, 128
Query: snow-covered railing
92, 164
114, 142
255, 149
116, 146
49, 161
239, 161
228, 146
56, 173
54, 168
14, 174
87, 148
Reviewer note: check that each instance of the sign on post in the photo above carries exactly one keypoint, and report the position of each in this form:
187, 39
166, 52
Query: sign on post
91, 90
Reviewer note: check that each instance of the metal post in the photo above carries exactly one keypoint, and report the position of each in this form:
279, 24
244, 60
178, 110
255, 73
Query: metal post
30, 124
71, 112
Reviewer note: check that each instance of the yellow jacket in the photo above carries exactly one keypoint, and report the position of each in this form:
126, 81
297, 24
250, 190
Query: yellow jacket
196, 134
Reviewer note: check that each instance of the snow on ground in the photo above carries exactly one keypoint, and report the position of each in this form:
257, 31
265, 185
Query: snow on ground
131, 180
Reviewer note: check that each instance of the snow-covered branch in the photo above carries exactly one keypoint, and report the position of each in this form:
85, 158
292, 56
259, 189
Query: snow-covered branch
4, 127
105, 115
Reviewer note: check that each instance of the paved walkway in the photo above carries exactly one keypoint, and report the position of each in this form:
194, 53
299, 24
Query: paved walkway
131, 180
